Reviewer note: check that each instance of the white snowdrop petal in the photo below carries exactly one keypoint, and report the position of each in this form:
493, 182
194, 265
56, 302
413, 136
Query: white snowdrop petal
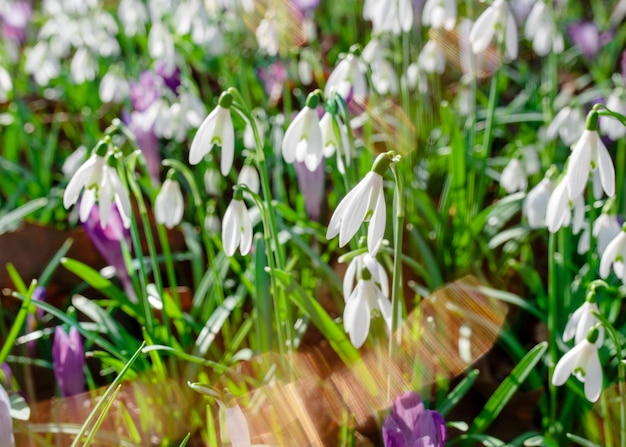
202, 141
230, 230
376, 229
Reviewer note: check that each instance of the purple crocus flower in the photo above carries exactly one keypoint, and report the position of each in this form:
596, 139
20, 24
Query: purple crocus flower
39, 294
146, 91
273, 78
411, 425
311, 184
7, 375
68, 361
147, 141
108, 242
587, 37
170, 76
305, 7
14, 18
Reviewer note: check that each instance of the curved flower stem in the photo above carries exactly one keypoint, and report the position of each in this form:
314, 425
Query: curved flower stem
200, 216
620, 164
143, 213
275, 256
485, 150
552, 329
397, 307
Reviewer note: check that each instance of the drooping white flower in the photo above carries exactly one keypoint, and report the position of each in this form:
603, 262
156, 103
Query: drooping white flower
432, 59
333, 143
497, 18
101, 184
366, 299
365, 202
133, 15
590, 154
161, 45
535, 204
583, 362
384, 76
267, 34
615, 255
569, 124
542, 30
439, 13
83, 66
530, 159
605, 229
249, 176
237, 227
581, 321
216, 129
389, 16
609, 125
513, 177
113, 87
560, 206
169, 204
354, 273
303, 138
347, 80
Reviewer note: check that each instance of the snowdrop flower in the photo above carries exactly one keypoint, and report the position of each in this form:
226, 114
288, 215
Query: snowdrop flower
568, 124
530, 159
249, 176
581, 321
389, 16
588, 154
133, 16
513, 177
303, 138
6, 85
213, 182
237, 227
536, 203
169, 204
42, 64
101, 184
541, 29
68, 361
610, 126
267, 34
333, 143
83, 66
354, 273
560, 206
161, 44
365, 300
615, 254
384, 77
605, 229
6, 421
365, 202
439, 13
583, 362
410, 424
216, 129
347, 80
431, 59
496, 17
113, 87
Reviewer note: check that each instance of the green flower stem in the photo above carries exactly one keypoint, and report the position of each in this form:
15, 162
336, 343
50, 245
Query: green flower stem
279, 297
553, 290
200, 217
397, 307
486, 146
169, 264
620, 167
275, 256
156, 272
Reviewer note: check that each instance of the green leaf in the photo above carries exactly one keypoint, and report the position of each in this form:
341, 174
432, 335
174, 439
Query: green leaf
507, 389
327, 326
262, 300
581, 441
458, 392
12, 219
18, 323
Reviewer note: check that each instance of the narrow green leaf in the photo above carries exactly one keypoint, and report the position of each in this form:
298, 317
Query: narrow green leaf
458, 392
507, 388
327, 326
54, 263
18, 282
18, 323
264, 328
581, 441
12, 219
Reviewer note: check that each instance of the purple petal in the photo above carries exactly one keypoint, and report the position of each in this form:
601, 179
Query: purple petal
311, 184
392, 434
68, 360
406, 410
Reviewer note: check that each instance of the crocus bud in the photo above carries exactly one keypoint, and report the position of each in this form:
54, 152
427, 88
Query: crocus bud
68, 361
410, 424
